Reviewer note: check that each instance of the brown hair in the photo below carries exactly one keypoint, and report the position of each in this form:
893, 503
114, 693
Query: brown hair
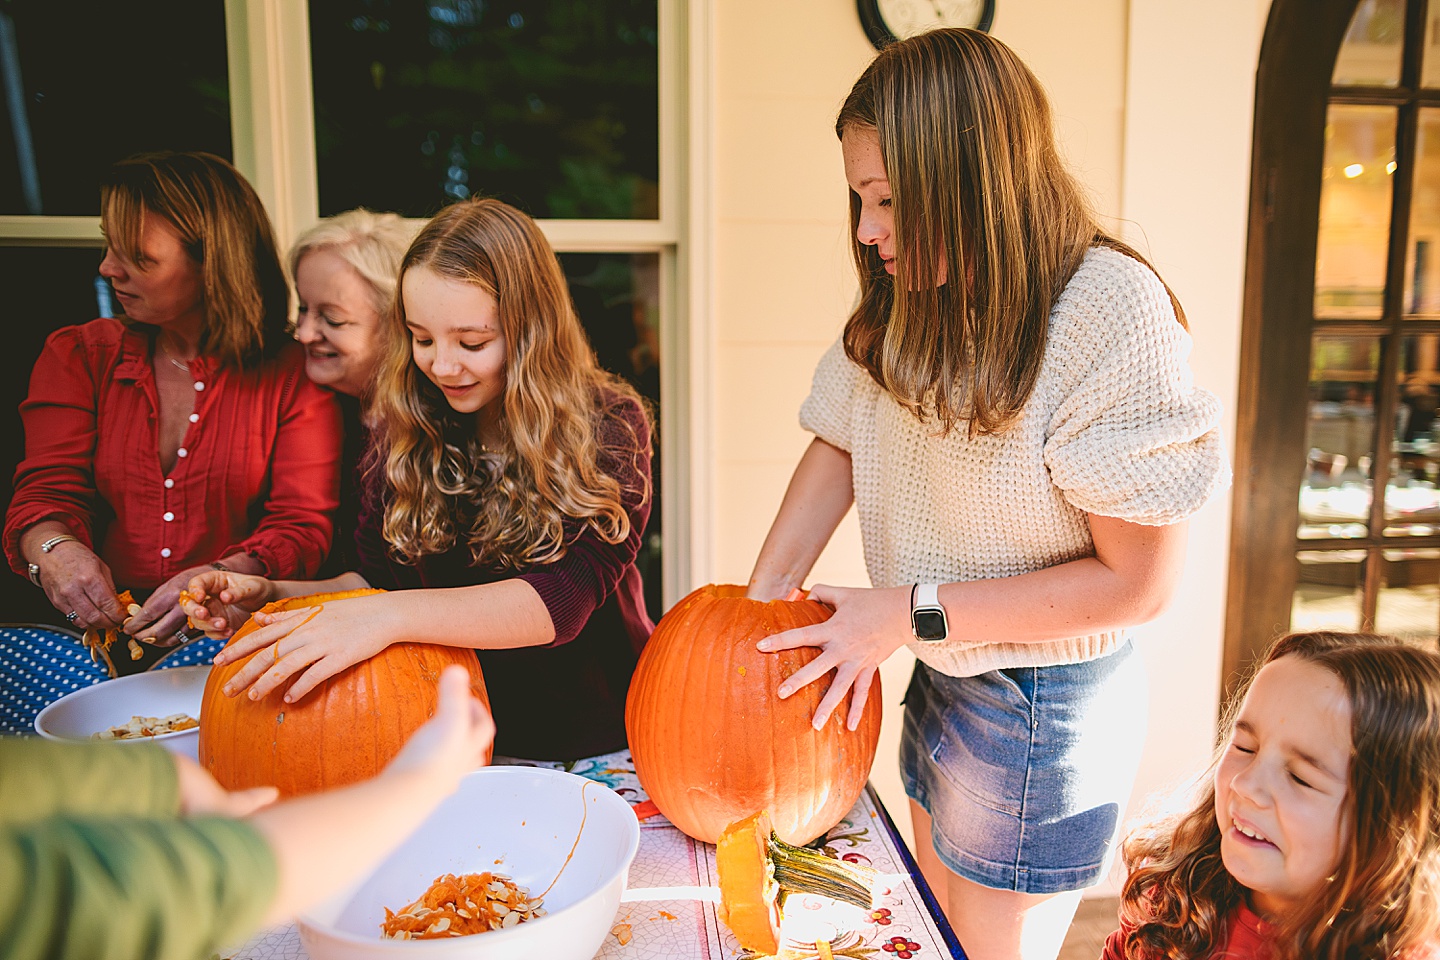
224, 228
978, 187
510, 505
1383, 900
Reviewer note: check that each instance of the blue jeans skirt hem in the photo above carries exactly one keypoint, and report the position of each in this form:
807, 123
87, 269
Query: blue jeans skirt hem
1025, 772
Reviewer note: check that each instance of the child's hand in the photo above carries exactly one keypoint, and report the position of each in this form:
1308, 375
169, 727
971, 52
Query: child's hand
453, 742
201, 796
220, 601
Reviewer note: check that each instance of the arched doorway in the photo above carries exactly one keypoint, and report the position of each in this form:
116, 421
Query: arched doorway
1337, 513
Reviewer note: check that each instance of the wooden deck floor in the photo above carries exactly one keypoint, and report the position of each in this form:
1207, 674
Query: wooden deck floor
1094, 921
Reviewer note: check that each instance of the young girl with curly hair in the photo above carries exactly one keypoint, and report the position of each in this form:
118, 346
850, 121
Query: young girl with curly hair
503, 501
1317, 835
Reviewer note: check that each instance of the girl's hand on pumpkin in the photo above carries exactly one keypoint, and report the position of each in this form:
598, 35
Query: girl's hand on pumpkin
451, 743
868, 625
220, 601
320, 640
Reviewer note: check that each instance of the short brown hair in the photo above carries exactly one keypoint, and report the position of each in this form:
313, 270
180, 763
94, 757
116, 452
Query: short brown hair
224, 228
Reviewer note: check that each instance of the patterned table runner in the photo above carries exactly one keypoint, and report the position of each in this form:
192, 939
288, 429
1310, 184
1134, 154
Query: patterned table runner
906, 923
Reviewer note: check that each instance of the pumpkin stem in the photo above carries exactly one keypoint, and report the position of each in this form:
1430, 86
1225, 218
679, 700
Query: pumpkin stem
803, 870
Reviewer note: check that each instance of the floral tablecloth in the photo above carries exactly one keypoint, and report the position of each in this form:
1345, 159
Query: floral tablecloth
905, 924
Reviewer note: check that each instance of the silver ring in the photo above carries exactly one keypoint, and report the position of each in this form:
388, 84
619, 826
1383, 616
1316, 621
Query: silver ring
72, 616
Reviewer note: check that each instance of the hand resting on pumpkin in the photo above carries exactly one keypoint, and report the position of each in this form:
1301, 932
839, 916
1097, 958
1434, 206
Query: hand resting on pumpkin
868, 626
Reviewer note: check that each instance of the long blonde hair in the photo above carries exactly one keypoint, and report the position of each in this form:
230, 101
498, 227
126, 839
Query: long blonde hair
224, 229
979, 190
509, 506
1384, 897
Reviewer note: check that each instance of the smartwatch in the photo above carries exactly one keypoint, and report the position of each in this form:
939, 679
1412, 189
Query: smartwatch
927, 617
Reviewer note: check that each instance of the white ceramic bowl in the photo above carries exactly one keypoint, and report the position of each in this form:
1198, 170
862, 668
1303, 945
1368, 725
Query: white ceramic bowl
111, 703
527, 818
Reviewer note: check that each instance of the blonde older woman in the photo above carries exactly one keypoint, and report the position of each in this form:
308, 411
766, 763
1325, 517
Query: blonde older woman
345, 269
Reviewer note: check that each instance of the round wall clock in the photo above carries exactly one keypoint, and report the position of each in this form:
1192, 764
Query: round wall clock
886, 21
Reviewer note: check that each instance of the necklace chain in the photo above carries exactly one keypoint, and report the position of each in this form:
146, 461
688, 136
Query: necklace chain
167, 355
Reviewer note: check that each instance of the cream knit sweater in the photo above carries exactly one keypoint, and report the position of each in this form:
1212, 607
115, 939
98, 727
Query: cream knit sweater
1115, 426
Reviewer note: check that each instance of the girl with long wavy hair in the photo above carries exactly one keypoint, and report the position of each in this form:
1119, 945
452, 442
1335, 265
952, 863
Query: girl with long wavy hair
503, 501
1010, 410
1316, 833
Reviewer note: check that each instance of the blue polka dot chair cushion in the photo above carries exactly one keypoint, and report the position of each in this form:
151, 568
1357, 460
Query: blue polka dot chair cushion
40, 664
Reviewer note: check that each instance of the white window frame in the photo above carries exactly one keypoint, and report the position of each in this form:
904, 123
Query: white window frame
273, 134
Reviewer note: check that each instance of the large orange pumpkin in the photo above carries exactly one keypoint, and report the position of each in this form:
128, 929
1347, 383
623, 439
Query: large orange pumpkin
713, 743
343, 731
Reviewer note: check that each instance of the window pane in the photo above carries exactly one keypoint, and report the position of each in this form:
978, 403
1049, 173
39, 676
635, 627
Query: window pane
1430, 52
1354, 212
98, 81
49, 287
550, 105
617, 297
1370, 54
1328, 590
1408, 605
1412, 507
1422, 282
1340, 438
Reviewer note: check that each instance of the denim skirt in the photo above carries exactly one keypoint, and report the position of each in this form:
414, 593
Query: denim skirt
1025, 772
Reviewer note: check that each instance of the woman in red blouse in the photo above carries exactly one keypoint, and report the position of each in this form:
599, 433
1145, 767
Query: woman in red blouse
185, 436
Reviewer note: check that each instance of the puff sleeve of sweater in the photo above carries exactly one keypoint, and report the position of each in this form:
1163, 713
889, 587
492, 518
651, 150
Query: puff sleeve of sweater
828, 411
1135, 439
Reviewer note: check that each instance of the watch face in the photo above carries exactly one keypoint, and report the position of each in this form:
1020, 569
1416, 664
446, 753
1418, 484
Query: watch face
898, 19
929, 624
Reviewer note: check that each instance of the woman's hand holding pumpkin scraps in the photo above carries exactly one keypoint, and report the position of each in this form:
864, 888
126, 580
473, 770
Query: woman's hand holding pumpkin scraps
869, 624
320, 640
220, 601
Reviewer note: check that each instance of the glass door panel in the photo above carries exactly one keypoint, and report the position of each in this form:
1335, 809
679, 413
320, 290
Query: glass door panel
1340, 438
1412, 505
1409, 601
1355, 193
1370, 55
1430, 52
1422, 259
1328, 590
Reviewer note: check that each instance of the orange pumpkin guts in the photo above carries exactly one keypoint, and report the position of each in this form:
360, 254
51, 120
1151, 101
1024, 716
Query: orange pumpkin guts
343, 731
711, 740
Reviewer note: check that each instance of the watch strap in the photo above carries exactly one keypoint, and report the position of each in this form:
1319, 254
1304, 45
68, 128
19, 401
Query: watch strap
925, 595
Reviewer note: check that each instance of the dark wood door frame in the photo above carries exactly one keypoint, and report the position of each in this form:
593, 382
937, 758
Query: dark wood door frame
1297, 58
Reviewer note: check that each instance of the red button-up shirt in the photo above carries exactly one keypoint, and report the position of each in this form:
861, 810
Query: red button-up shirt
258, 470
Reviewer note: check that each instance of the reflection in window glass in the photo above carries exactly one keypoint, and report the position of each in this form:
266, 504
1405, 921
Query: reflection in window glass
1328, 590
1409, 601
1430, 52
98, 81
550, 105
1340, 437
1422, 260
1354, 212
1412, 506
617, 297
1370, 54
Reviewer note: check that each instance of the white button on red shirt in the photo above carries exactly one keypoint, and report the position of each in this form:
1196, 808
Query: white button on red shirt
182, 452
194, 418
164, 551
199, 386
169, 516
169, 483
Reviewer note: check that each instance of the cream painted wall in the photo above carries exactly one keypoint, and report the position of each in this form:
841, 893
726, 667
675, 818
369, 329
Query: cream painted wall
1153, 107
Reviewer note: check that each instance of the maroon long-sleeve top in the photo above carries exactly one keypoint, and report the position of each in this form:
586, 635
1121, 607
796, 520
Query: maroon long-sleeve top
258, 470
565, 700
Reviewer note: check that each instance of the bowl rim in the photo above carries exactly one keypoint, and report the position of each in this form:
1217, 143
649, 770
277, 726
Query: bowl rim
83, 692
306, 921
